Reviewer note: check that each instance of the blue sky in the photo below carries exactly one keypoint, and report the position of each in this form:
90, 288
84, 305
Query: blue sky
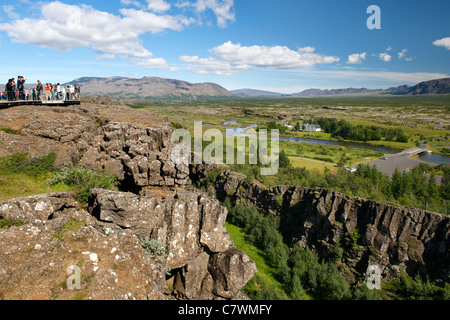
284, 45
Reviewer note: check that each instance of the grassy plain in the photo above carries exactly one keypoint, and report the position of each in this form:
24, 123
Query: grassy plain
422, 118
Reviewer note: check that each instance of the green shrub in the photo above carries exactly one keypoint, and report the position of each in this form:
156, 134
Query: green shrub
416, 288
8, 223
24, 163
155, 247
320, 279
84, 180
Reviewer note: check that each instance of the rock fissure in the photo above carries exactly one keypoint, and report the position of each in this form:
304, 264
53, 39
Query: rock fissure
393, 237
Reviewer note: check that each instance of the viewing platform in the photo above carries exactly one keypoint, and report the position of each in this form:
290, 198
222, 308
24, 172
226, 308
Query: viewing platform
7, 104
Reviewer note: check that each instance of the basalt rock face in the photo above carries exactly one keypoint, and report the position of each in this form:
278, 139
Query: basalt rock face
393, 237
101, 133
159, 238
190, 257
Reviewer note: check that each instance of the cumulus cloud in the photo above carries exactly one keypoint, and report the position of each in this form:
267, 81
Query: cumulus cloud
9, 10
158, 5
223, 9
356, 58
402, 55
63, 27
385, 57
230, 58
444, 42
212, 66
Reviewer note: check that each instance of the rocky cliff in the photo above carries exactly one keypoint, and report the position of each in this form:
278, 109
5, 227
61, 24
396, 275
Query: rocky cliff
101, 133
158, 238
393, 237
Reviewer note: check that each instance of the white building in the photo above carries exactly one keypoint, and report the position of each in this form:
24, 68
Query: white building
310, 127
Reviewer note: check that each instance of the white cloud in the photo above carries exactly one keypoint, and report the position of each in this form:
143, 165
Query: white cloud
402, 55
63, 27
385, 57
212, 66
9, 10
444, 42
158, 5
230, 58
135, 3
356, 58
158, 63
223, 9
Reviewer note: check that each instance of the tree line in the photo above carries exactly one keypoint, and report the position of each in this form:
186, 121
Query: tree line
347, 131
416, 188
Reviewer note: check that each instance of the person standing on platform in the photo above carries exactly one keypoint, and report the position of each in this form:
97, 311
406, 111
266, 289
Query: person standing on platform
9, 90
39, 89
58, 91
77, 93
48, 93
21, 87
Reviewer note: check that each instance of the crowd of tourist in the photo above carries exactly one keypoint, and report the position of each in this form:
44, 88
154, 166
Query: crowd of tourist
47, 92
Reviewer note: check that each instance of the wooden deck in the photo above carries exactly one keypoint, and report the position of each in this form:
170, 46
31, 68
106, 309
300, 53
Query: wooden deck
7, 104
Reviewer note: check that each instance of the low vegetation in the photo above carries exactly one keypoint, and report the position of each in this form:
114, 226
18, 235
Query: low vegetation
23, 175
82, 180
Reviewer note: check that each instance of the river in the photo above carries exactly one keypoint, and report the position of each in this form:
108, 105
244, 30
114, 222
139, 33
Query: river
427, 157
240, 131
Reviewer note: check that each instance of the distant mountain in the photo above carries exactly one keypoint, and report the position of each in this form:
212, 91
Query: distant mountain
330, 92
148, 87
255, 93
437, 86
161, 88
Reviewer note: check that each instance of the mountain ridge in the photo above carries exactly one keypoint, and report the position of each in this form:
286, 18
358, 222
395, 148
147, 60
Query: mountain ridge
163, 88
435, 86
147, 87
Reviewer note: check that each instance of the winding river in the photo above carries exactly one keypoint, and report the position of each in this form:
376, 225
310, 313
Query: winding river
428, 157
240, 131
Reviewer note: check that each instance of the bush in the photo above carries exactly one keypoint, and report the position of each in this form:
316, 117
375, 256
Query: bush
8, 223
23, 163
84, 180
415, 288
155, 248
284, 161
321, 280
